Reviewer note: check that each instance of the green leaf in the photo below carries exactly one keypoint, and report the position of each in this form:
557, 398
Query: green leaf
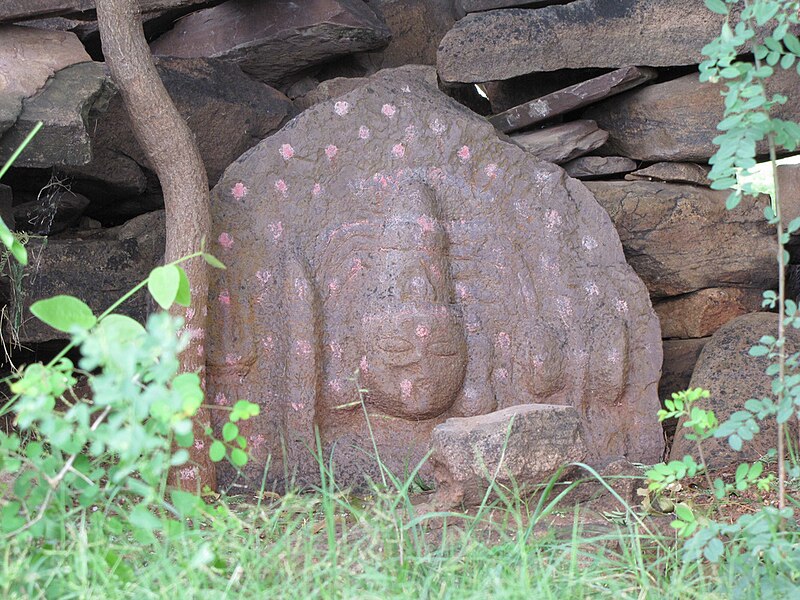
217, 451
238, 457
186, 503
213, 261
163, 284
120, 329
229, 431
63, 313
713, 550
142, 518
758, 351
683, 512
717, 6
184, 295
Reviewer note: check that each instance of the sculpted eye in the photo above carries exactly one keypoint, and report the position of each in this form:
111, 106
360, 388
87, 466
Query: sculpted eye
395, 344
443, 349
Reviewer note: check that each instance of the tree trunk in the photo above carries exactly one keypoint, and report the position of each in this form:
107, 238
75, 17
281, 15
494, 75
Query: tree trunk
171, 149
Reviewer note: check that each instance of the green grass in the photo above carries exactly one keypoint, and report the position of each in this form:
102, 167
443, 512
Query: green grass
329, 545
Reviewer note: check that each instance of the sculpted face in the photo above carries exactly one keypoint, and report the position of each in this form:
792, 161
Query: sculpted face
415, 360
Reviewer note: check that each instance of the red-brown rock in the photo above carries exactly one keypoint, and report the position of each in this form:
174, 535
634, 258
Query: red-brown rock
391, 231
701, 313
274, 40
571, 98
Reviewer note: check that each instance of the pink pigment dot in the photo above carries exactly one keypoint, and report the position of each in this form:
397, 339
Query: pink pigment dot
464, 153
406, 388
422, 331
239, 191
437, 127
225, 240
341, 108
224, 297
389, 110
364, 365
221, 399
281, 186
331, 151
286, 151
502, 373
503, 341
491, 170
398, 151
277, 230
232, 359
316, 190
363, 132
426, 223
303, 347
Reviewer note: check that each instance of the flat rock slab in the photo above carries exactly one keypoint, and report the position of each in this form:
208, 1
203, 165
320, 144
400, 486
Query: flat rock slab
393, 231
98, 271
272, 40
789, 187
561, 143
586, 33
701, 313
680, 358
679, 238
28, 58
520, 446
592, 167
677, 120
20, 10
726, 369
571, 98
677, 172
63, 106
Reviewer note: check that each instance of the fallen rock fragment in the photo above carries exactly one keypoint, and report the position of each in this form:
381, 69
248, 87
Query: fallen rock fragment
520, 446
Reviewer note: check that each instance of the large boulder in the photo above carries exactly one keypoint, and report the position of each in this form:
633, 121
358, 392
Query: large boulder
272, 41
586, 33
28, 58
65, 106
679, 238
677, 120
726, 369
391, 231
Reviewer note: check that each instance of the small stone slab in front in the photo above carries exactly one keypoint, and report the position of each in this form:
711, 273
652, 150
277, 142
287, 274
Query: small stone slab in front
522, 445
572, 97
